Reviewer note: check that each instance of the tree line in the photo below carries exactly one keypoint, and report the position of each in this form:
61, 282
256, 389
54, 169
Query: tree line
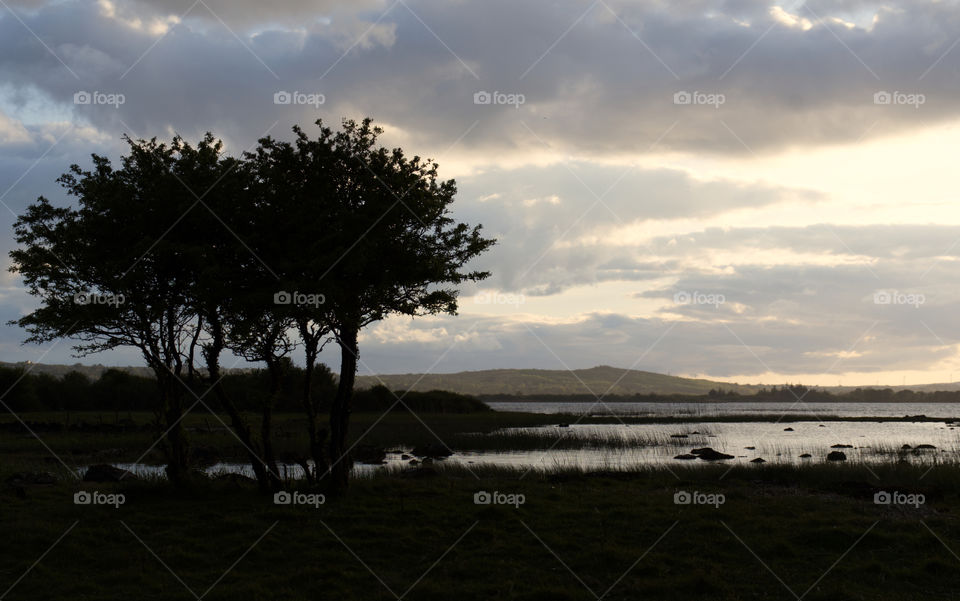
191, 256
124, 393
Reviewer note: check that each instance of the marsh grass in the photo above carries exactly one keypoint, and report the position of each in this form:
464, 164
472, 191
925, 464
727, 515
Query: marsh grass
530, 439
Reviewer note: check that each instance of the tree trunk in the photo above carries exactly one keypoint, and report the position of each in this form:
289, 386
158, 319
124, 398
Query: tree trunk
316, 436
340, 411
175, 438
241, 428
266, 422
211, 354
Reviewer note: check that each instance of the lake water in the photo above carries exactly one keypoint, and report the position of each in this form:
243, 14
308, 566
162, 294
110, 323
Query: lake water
813, 410
871, 442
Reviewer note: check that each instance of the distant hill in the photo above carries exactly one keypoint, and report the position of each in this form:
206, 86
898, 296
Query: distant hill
527, 382
545, 381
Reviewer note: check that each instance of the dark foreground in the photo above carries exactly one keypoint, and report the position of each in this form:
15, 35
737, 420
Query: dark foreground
781, 533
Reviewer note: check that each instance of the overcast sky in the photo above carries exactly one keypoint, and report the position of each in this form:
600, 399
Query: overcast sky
742, 190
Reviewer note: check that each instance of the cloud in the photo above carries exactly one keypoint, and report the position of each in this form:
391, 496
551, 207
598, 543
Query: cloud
584, 137
605, 88
563, 239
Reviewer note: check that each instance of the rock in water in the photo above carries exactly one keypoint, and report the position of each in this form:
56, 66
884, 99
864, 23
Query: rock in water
708, 454
686, 456
758, 460
788, 429
836, 456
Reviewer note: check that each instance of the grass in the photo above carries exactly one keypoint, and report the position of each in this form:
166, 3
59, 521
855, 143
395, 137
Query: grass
421, 536
618, 533
528, 439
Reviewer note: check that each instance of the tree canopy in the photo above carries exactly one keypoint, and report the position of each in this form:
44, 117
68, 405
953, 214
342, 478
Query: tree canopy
188, 254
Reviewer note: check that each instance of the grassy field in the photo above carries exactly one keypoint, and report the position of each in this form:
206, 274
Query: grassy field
767, 532
814, 530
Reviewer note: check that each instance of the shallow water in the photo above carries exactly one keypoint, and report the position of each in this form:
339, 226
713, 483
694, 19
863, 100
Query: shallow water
873, 442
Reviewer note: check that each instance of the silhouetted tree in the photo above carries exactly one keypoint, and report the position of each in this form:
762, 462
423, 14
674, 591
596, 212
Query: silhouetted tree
386, 244
116, 271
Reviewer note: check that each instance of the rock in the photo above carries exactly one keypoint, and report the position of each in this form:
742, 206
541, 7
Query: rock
678, 436
806, 456
788, 429
836, 456
924, 446
821, 426
405, 457
708, 454
435, 451
906, 447
750, 448
758, 460
695, 432
414, 462
103, 472
686, 456
841, 446
563, 425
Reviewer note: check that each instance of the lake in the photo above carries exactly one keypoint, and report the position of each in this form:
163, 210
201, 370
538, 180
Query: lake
635, 445
813, 410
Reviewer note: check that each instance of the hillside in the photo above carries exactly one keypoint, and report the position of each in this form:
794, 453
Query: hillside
546, 381
509, 381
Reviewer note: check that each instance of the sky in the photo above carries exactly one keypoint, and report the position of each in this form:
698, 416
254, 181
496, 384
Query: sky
743, 190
